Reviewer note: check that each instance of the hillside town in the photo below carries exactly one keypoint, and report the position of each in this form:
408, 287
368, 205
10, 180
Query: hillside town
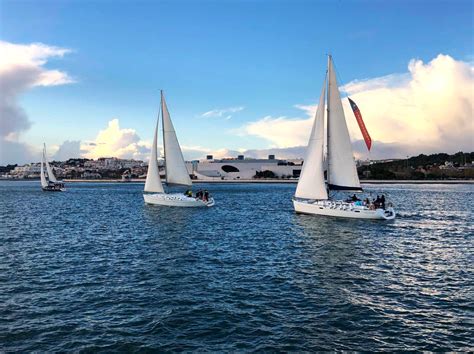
433, 167
109, 168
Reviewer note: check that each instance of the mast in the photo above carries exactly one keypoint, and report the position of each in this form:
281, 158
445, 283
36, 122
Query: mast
328, 120
163, 128
342, 172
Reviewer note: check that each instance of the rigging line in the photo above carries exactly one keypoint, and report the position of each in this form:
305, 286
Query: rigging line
340, 81
325, 79
342, 87
326, 127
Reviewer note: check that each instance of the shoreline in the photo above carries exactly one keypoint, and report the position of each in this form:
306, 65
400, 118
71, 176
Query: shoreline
284, 181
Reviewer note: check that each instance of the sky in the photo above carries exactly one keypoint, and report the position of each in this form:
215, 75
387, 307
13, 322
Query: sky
239, 76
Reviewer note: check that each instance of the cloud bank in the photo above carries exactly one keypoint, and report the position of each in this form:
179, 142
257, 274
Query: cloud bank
68, 149
22, 68
114, 141
426, 110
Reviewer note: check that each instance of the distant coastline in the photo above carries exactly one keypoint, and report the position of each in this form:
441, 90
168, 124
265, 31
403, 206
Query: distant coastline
435, 168
290, 181
268, 180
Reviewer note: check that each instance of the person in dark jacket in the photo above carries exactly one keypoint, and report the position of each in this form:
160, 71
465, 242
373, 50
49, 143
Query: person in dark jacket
382, 201
377, 202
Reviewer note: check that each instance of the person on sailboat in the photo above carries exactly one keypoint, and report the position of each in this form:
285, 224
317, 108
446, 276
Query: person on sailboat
206, 196
372, 205
382, 201
377, 202
352, 199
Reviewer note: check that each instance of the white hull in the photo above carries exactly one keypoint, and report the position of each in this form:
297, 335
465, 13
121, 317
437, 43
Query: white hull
177, 200
341, 209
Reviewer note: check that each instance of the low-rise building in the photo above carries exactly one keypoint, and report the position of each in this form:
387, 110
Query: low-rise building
112, 163
242, 168
91, 175
31, 170
448, 165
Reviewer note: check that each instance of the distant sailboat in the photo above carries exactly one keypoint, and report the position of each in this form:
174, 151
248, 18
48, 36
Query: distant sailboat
175, 167
51, 184
312, 194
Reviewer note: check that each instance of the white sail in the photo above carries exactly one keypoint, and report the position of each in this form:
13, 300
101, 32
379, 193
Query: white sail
176, 171
153, 182
51, 176
342, 172
44, 183
311, 183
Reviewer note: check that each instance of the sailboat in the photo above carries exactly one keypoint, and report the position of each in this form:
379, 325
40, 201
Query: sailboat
175, 168
51, 184
312, 194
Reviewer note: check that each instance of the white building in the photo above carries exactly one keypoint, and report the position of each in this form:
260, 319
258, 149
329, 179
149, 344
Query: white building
91, 175
241, 168
448, 165
112, 163
30, 170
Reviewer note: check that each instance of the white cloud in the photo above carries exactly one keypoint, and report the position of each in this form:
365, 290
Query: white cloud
114, 141
432, 110
22, 68
200, 152
281, 132
295, 152
24, 65
225, 113
68, 149
34, 54
427, 110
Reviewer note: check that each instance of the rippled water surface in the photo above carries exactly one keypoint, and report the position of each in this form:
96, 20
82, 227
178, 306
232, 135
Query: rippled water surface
94, 268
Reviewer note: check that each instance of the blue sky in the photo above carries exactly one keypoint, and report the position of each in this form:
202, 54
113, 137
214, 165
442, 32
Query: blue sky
265, 56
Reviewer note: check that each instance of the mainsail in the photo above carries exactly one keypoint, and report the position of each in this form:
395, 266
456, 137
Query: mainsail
342, 172
44, 183
153, 183
176, 171
311, 182
51, 176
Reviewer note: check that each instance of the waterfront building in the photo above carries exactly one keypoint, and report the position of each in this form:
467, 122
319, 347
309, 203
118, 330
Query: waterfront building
244, 168
31, 170
112, 163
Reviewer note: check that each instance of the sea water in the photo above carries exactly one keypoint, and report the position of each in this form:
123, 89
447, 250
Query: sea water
94, 268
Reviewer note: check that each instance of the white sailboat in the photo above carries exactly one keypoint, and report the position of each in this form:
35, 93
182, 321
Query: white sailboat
312, 193
51, 184
175, 167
